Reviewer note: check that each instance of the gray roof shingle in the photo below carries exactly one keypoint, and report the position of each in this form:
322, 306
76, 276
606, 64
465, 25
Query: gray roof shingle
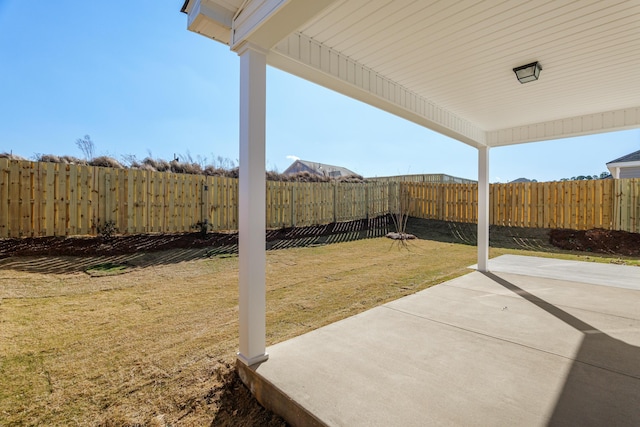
632, 157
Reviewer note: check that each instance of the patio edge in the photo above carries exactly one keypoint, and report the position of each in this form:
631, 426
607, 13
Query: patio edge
274, 399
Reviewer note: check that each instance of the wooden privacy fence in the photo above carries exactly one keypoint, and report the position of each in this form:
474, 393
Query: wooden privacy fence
446, 202
49, 199
577, 205
298, 204
626, 206
54, 199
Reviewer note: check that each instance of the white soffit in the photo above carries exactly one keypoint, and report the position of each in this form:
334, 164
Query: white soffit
212, 19
448, 64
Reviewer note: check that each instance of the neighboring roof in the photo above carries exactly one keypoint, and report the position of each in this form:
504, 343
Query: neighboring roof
521, 180
632, 157
319, 168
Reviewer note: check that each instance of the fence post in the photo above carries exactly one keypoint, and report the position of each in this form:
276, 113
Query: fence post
366, 201
107, 198
204, 202
335, 204
293, 204
617, 201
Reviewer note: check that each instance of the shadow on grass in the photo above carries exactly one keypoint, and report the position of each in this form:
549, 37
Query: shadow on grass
71, 255
62, 256
532, 239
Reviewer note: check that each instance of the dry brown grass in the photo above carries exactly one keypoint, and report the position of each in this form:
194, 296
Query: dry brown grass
153, 346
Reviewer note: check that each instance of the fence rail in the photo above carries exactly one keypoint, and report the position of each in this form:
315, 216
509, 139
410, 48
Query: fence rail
49, 199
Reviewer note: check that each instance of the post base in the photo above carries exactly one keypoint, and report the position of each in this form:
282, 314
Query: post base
253, 360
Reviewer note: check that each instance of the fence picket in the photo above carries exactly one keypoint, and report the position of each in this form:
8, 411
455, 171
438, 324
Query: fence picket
14, 199
5, 228
635, 203
25, 200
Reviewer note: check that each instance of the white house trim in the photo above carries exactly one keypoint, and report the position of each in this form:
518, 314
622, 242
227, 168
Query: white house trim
313, 61
608, 121
210, 20
266, 22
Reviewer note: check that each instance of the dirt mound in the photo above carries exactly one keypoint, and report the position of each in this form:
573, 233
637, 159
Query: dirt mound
597, 240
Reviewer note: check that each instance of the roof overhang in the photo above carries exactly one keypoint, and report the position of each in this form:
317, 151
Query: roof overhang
448, 66
614, 168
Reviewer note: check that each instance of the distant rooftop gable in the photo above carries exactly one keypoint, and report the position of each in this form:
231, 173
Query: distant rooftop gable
316, 168
633, 157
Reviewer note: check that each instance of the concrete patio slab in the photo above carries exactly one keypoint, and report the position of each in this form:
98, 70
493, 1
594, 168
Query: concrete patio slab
483, 349
621, 276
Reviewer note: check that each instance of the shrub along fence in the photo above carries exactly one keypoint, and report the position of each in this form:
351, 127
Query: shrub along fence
49, 199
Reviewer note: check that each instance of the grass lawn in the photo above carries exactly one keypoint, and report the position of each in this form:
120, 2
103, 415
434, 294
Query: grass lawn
154, 345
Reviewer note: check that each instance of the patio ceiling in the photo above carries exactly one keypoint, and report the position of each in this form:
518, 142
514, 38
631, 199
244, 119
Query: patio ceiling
447, 65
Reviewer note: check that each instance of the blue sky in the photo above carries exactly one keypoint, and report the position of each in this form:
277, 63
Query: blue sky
132, 77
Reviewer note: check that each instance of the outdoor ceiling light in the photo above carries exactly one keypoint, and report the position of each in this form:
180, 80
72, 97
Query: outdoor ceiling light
528, 73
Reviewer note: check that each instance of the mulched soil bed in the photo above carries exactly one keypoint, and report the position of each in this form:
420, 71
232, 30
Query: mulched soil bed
597, 240
128, 244
117, 245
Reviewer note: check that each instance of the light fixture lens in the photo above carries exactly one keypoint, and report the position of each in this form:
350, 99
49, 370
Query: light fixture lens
528, 73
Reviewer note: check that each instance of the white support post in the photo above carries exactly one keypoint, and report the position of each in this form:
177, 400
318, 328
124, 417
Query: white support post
483, 209
252, 222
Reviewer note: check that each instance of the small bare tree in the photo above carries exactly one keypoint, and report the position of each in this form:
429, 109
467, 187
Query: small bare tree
87, 147
400, 216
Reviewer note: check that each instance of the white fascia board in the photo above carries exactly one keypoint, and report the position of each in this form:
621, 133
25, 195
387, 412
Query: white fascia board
623, 164
210, 19
264, 23
313, 61
607, 121
250, 17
